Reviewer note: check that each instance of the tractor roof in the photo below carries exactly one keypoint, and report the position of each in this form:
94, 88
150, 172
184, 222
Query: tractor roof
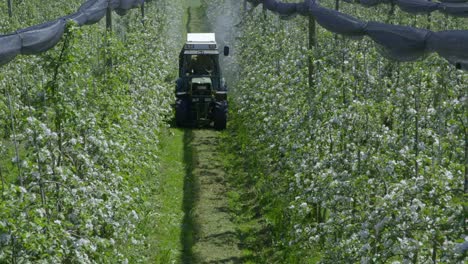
201, 37
201, 43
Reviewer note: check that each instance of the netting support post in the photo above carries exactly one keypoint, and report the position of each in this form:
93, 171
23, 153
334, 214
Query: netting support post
108, 31
143, 13
337, 8
311, 44
10, 8
465, 185
245, 5
109, 19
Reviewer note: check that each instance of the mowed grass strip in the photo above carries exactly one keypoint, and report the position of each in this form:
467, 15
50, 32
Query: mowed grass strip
165, 231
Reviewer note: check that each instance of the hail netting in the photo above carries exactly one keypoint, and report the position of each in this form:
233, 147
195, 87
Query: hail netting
39, 38
399, 43
457, 8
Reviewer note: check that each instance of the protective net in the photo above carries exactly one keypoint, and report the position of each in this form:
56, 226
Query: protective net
373, 2
395, 42
454, 9
453, 1
457, 8
10, 46
398, 42
94, 11
452, 45
341, 23
417, 6
39, 38
42, 37
123, 6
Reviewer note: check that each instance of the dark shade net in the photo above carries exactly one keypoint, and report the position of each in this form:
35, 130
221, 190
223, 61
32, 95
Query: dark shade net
417, 6
95, 12
42, 37
340, 23
10, 46
285, 9
114, 4
453, 1
398, 42
452, 45
395, 42
373, 2
450, 7
124, 6
80, 18
39, 38
454, 9
303, 8
86, 5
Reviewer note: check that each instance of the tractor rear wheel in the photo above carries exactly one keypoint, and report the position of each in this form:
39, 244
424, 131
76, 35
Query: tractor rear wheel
182, 111
220, 115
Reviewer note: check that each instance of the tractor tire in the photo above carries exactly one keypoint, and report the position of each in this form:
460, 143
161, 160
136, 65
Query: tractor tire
220, 115
182, 111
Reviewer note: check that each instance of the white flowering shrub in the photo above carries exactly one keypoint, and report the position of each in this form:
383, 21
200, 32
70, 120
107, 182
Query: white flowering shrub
366, 166
80, 127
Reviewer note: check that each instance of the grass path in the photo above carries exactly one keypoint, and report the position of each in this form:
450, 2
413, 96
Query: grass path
209, 235
195, 220
193, 224
169, 198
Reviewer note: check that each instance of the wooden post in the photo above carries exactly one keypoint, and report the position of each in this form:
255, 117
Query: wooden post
109, 19
465, 187
142, 9
337, 8
312, 40
10, 8
108, 31
311, 45
245, 5
429, 19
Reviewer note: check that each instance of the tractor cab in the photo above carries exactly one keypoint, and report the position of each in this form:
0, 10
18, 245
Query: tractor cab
201, 94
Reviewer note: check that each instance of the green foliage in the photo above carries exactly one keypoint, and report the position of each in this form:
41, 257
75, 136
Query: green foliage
368, 165
83, 138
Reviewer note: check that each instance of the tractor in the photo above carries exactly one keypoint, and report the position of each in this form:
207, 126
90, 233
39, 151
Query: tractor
201, 92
